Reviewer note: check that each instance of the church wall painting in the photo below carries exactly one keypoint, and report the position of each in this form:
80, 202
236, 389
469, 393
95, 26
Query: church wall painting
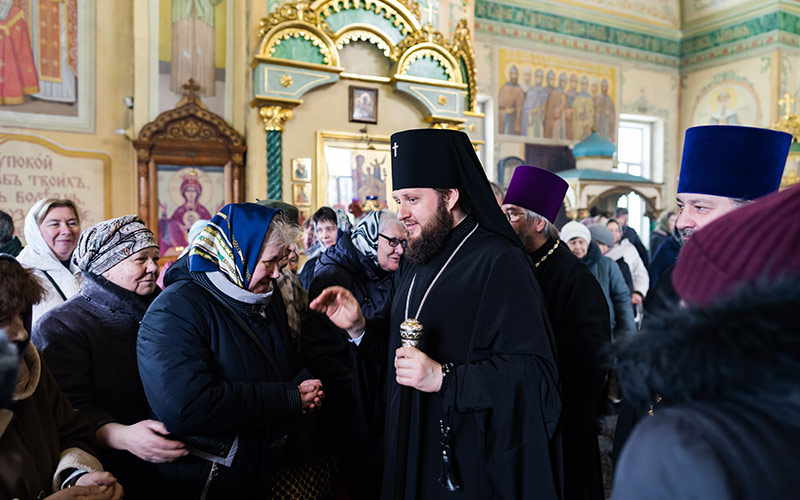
544, 96
738, 93
48, 64
33, 168
694, 10
186, 194
192, 42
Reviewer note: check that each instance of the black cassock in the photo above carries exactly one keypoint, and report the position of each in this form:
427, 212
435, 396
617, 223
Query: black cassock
578, 314
486, 316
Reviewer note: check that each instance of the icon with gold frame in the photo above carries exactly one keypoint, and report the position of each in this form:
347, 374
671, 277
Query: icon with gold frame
301, 194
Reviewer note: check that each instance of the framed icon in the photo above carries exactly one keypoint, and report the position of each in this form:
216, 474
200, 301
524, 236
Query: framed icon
301, 194
363, 105
301, 169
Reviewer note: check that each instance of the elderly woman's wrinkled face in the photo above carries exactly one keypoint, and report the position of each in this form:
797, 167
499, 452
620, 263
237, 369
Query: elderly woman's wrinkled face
12, 328
268, 268
138, 273
578, 247
388, 255
60, 230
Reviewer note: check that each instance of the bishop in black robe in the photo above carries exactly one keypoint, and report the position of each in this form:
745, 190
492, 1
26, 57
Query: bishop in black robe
486, 316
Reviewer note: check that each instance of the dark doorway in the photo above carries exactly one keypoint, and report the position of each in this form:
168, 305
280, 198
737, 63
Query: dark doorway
552, 158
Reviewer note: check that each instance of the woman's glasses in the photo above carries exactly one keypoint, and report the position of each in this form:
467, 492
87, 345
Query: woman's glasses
393, 242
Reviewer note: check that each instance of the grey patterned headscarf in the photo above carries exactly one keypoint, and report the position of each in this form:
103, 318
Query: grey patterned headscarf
108, 243
365, 235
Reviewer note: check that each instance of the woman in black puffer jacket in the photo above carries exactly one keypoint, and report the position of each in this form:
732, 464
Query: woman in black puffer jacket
220, 368
363, 262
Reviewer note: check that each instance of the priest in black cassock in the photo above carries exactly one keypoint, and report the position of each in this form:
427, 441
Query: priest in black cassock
472, 411
578, 313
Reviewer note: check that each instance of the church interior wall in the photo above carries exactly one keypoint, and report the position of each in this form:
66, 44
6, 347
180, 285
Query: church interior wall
110, 61
672, 60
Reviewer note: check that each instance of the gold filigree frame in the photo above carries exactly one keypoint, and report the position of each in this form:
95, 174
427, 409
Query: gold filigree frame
367, 33
405, 13
432, 51
299, 29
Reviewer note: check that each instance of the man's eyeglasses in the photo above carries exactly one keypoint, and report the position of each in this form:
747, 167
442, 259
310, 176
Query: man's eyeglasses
512, 215
393, 242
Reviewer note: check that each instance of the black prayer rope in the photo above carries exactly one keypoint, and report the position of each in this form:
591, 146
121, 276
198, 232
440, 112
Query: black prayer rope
449, 477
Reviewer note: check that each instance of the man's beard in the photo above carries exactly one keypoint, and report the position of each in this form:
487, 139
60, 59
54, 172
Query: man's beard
686, 233
432, 236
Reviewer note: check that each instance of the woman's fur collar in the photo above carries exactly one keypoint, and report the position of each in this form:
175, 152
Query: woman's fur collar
746, 344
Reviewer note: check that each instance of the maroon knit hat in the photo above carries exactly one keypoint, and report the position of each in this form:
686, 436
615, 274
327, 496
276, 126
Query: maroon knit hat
758, 241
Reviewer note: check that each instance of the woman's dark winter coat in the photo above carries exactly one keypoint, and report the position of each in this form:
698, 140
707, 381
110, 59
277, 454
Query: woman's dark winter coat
728, 426
657, 237
211, 383
618, 296
665, 257
89, 343
353, 384
41, 436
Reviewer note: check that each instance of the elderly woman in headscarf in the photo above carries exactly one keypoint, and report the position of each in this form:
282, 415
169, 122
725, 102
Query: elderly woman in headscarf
362, 261
218, 363
89, 342
52, 228
45, 446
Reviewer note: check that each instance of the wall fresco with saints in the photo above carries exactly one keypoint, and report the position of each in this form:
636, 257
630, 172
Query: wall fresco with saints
550, 97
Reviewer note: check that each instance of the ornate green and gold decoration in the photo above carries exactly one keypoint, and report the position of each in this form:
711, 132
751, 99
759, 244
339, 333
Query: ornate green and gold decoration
790, 123
298, 51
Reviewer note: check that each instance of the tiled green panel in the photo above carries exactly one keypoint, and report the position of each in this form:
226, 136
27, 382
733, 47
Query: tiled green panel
531, 18
788, 22
426, 67
339, 20
299, 49
734, 33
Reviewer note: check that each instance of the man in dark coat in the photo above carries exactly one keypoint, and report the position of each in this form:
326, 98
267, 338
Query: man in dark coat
722, 168
473, 409
726, 367
578, 314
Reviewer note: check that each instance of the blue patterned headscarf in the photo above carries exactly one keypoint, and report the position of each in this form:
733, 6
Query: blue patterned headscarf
231, 242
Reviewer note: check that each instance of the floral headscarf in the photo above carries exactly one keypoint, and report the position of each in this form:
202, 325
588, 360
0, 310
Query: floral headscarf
365, 235
231, 242
108, 243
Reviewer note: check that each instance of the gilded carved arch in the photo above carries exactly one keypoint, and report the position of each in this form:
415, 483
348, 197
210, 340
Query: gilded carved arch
299, 46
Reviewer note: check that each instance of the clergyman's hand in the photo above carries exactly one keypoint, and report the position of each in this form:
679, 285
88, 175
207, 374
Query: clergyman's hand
415, 369
339, 305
